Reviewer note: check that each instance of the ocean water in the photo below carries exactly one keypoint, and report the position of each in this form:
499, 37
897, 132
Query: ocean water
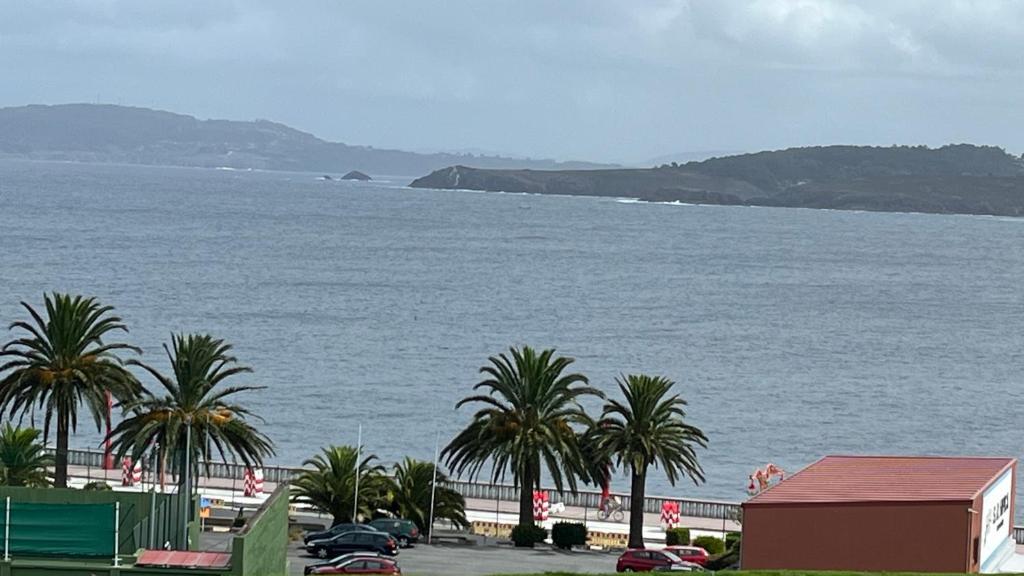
792, 333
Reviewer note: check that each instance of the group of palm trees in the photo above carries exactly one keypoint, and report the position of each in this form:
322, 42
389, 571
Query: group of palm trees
350, 486
531, 421
65, 358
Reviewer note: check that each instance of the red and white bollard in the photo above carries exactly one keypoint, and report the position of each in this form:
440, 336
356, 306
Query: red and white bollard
541, 505
669, 514
253, 483
130, 474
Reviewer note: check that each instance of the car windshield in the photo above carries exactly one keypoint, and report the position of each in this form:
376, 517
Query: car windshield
672, 557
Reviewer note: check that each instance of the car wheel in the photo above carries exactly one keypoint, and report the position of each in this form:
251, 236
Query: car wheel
403, 542
321, 553
627, 569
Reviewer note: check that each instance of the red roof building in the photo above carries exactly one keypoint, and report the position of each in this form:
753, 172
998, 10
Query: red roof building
884, 513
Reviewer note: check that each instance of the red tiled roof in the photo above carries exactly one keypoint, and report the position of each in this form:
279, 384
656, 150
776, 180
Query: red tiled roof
886, 479
180, 559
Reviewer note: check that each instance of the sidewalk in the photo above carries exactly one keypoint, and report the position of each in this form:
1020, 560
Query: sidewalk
508, 513
225, 493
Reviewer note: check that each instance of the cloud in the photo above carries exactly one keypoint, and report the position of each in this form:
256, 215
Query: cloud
604, 79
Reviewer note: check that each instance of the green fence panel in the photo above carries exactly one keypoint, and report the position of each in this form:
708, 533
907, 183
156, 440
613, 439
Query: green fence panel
261, 548
61, 529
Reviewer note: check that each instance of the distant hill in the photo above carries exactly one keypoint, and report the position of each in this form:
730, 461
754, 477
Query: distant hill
960, 179
107, 133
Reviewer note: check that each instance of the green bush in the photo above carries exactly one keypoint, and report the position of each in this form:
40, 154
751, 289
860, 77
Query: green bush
677, 536
723, 561
527, 535
710, 543
732, 540
565, 535
97, 486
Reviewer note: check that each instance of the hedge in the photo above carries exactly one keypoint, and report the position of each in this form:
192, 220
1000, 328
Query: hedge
527, 535
677, 536
565, 535
710, 543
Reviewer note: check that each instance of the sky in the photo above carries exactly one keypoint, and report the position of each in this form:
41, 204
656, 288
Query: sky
602, 80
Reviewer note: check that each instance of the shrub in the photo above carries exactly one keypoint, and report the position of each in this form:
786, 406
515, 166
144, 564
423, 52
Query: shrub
710, 543
677, 536
732, 540
527, 535
724, 561
565, 535
97, 486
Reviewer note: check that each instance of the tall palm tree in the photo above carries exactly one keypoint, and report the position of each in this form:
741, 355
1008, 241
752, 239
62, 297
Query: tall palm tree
23, 458
525, 424
331, 485
649, 428
62, 361
193, 397
411, 495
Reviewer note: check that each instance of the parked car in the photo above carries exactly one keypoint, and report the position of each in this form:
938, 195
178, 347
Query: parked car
353, 542
361, 566
648, 560
337, 529
694, 554
340, 559
681, 567
404, 531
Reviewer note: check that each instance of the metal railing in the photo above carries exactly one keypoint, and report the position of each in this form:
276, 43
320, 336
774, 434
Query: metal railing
227, 470
715, 509
1018, 534
591, 499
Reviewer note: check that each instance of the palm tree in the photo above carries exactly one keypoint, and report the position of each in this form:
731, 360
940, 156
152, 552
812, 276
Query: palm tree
330, 486
194, 398
23, 459
62, 361
649, 429
525, 424
411, 493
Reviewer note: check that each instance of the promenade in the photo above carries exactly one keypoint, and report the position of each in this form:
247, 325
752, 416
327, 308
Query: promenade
491, 517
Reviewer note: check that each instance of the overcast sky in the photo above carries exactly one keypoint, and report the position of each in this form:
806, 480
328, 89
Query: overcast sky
592, 79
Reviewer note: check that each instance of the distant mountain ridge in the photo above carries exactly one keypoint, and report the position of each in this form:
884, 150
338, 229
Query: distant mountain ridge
960, 179
109, 133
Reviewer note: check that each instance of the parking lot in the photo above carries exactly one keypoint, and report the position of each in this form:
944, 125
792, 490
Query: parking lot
481, 559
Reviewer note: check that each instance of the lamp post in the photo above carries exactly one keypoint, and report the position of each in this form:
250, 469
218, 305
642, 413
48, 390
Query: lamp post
433, 487
185, 491
355, 497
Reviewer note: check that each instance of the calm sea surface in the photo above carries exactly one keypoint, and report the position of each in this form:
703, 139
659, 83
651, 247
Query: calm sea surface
792, 333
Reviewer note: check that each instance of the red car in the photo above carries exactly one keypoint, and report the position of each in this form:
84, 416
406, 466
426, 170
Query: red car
694, 554
360, 566
647, 560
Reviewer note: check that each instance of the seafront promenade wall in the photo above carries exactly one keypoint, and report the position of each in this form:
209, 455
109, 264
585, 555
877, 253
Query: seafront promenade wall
586, 499
498, 493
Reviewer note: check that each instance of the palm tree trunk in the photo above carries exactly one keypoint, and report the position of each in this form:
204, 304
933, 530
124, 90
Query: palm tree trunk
60, 472
636, 508
526, 484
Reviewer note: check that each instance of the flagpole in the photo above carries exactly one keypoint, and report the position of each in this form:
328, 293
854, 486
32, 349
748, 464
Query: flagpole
359, 453
433, 487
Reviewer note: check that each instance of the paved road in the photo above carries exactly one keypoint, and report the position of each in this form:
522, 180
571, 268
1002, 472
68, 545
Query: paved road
481, 560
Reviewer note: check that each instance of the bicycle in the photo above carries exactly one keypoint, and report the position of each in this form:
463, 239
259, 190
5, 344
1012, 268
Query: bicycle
610, 509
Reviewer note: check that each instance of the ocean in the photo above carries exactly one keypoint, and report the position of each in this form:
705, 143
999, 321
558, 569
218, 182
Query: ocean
792, 333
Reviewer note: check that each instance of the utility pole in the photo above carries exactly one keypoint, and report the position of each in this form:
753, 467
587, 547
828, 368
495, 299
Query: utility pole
433, 487
359, 453
185, 491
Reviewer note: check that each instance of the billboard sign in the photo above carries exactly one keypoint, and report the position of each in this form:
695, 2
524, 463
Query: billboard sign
996, 524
